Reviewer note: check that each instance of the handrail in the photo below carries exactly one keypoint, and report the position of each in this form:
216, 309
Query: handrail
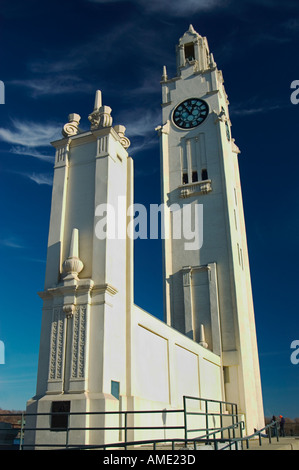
205, 413
126, 444
273, 424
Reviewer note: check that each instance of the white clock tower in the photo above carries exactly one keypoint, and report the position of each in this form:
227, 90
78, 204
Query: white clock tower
207, 291
99, 351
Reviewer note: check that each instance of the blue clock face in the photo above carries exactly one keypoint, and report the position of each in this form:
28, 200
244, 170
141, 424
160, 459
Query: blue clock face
190, 113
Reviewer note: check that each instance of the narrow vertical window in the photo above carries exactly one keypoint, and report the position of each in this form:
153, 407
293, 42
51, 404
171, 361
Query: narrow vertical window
194, 176
236, 199
185, 178
115, 389
241, 256
189, 51
204, 174
235, 215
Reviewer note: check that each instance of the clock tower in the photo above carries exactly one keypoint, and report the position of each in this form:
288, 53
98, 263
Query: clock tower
207, 288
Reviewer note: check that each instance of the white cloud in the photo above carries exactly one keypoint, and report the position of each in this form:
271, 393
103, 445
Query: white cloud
11, 242
30, 134
39, 178
173, 7
80, 56
21, 150
251, 110
54, 85
141, 122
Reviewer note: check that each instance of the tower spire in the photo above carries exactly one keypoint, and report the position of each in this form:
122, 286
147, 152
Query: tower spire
101, 115
164, 75
98, 100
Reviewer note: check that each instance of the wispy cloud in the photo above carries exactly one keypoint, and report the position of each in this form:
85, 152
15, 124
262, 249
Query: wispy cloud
66, 67
11, 242
245, 110
141, 122
140, 128
173, 7
30, 134
54, 85
39, 178
32, 152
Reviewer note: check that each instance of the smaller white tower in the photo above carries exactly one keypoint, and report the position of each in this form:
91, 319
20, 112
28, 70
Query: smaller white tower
88, 290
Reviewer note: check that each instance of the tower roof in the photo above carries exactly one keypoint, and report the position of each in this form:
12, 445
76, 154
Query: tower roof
189, 36
193, 50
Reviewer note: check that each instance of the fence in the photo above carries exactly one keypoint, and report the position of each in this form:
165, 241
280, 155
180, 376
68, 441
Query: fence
211, 420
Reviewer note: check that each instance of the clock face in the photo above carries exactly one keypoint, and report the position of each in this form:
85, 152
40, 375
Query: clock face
190, 113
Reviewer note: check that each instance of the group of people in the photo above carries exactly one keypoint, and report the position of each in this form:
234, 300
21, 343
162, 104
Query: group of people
281, 426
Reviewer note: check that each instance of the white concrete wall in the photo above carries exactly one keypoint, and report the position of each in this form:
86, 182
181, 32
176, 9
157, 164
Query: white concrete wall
168, 365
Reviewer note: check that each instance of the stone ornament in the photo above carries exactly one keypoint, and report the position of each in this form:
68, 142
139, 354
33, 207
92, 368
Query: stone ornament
125, 142
72, 266
69, 310
72, 127
101, 115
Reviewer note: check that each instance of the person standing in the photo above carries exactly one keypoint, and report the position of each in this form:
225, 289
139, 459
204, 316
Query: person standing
281, 426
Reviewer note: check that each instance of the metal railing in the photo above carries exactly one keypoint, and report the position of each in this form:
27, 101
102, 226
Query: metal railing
215, 423
215, 415
273, 426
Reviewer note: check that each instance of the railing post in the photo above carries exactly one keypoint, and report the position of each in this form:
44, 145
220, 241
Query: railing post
221, 419
22, 432
207, 417
233, 419
241, 434
67, 431
126, 429
185, 419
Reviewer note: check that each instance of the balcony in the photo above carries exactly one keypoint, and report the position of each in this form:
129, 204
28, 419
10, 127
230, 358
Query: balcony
195, 189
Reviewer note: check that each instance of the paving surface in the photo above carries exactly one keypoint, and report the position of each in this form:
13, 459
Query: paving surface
284, 443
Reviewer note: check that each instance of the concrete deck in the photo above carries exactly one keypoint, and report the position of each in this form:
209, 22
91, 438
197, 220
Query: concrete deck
284, 443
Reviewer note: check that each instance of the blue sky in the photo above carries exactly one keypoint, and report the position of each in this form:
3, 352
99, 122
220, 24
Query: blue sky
54, 55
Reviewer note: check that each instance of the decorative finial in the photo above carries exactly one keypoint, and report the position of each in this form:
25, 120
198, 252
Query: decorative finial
191, 29
125, 142
164, 76
202, 340
72, 266
212, 61
72, 127
101, 115
98, 100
